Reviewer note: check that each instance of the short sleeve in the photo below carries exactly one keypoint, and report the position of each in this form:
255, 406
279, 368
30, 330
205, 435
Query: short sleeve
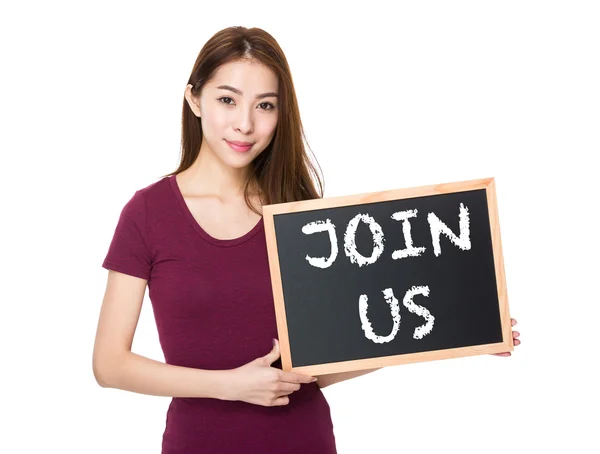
128, 251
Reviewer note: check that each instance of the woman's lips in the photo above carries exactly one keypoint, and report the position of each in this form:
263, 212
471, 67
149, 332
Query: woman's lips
239, 148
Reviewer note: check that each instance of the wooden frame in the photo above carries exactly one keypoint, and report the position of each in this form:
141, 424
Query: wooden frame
269, 211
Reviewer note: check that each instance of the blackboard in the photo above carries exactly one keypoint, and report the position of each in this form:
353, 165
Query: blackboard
386, 278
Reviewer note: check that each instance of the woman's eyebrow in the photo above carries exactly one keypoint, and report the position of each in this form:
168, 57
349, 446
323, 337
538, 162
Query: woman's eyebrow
239, 92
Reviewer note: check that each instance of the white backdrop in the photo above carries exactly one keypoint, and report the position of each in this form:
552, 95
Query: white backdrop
427, 92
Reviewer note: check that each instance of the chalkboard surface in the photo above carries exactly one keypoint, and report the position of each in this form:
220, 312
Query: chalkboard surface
388, 278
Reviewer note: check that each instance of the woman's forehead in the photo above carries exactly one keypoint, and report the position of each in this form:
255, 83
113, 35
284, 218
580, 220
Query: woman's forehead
251, 74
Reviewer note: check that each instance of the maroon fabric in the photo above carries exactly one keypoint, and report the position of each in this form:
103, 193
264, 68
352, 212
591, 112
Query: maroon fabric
213, 305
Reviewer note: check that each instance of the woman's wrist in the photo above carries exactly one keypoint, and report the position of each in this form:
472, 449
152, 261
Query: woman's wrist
221, 384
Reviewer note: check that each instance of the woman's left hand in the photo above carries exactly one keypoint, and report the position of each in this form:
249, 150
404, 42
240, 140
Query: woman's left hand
515, 335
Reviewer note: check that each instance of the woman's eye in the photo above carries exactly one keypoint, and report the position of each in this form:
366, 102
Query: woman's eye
264, 105
270, 106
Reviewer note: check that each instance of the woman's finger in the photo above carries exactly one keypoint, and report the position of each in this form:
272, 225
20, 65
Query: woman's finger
288, 388
284, 393
516, 342
513, 322
280, 401
516, 334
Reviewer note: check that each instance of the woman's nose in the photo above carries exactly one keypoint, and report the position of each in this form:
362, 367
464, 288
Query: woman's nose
244, 122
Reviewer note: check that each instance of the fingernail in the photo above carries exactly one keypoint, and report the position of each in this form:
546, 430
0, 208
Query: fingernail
274, 343
314, 379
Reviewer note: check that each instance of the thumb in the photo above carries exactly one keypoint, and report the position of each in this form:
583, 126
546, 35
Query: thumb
273, 355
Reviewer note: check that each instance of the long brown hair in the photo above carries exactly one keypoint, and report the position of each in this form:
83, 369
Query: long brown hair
283, 171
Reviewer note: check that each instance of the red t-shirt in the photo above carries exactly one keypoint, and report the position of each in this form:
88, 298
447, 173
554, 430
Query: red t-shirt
213, 306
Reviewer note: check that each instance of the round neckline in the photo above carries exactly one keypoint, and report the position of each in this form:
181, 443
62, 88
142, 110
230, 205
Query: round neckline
190, 218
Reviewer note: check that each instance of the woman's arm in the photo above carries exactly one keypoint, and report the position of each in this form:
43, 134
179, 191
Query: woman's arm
330, 379
115, 366
132, 372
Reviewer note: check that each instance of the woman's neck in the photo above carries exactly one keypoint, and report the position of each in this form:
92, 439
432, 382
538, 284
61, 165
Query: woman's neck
208, 175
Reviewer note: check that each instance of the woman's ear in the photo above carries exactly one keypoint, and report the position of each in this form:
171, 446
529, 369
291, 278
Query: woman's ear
192, 100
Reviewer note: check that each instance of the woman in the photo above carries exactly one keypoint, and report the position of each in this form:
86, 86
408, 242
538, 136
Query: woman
196, 239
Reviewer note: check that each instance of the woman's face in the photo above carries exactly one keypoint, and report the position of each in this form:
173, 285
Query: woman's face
239, 104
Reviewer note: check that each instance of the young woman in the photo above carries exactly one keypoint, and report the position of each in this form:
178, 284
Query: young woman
196, 239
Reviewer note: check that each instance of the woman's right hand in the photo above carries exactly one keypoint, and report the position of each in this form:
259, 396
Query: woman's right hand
258, 383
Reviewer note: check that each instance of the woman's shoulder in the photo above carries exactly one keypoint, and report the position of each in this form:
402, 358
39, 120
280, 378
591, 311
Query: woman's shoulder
155, 191
147, 198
